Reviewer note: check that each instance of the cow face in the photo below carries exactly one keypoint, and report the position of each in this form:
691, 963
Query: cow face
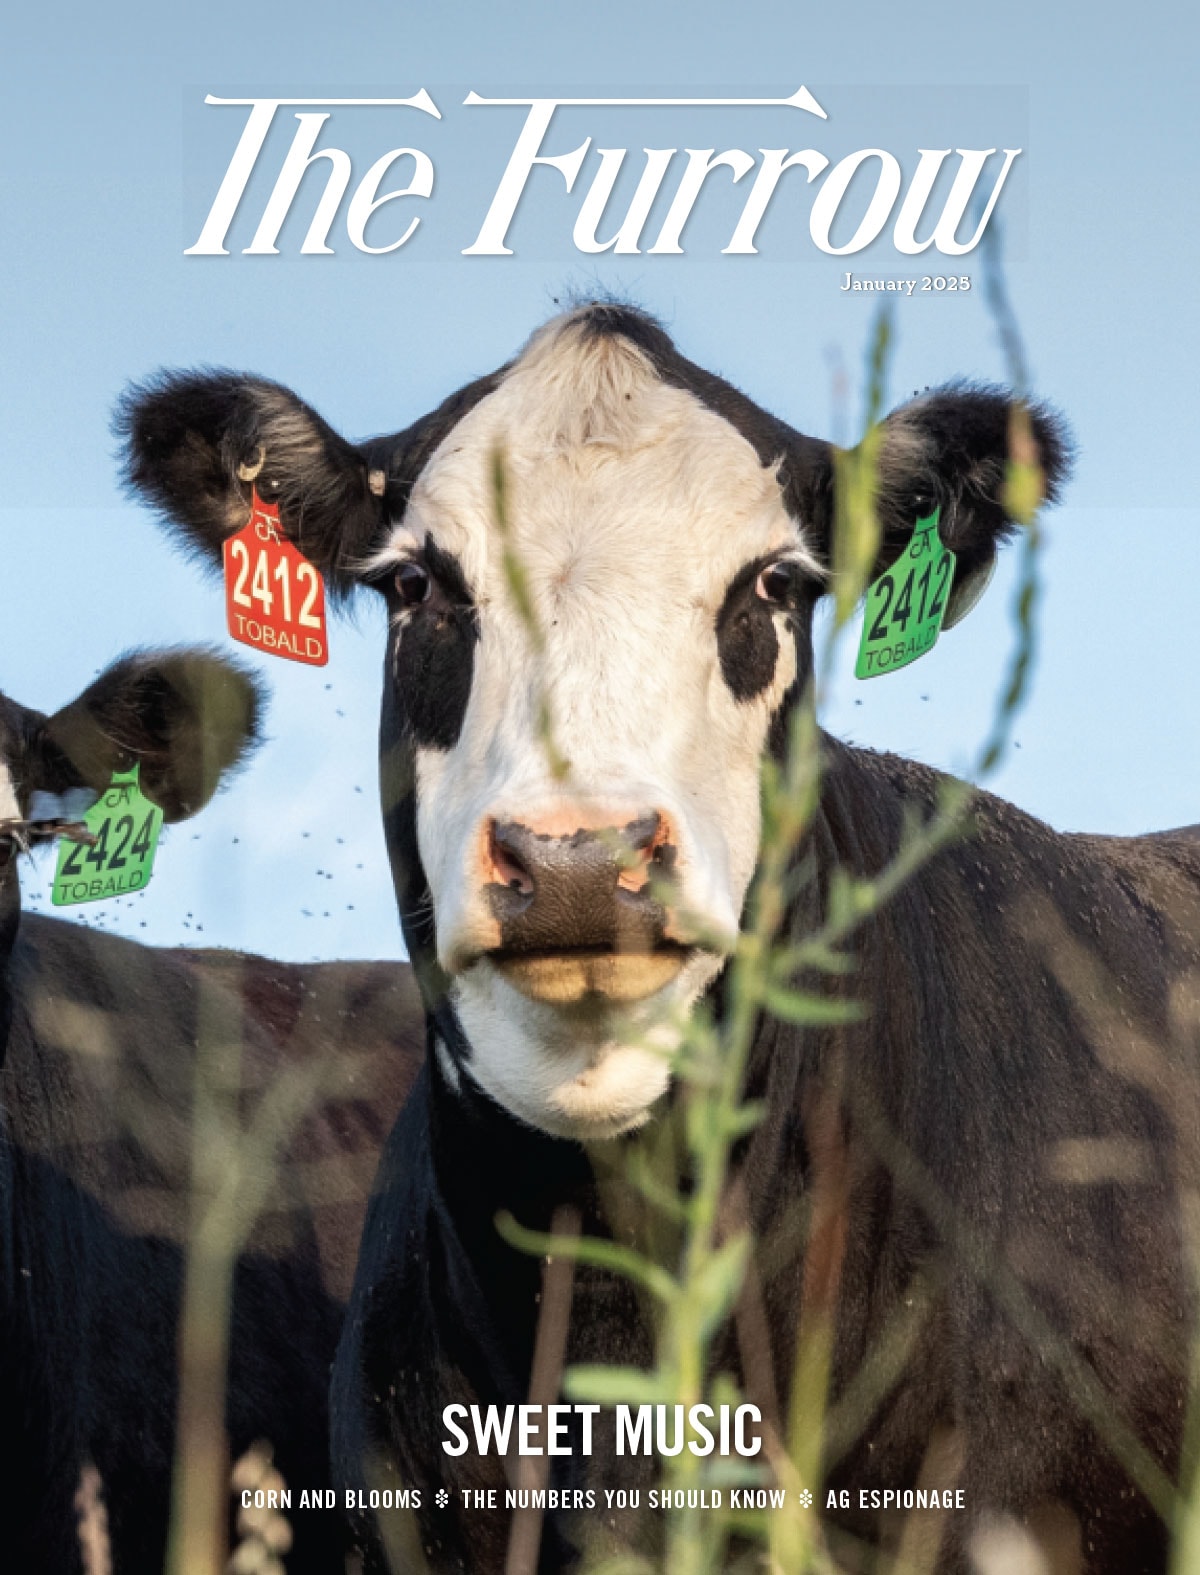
600, 566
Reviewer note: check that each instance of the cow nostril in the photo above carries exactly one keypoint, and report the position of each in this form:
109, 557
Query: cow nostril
509, 871
550, 868
635, 868
647, 855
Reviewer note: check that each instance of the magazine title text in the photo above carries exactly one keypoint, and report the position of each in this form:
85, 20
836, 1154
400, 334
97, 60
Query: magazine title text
650, 219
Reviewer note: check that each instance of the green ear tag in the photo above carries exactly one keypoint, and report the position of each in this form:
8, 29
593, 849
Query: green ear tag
905, 606
125, 825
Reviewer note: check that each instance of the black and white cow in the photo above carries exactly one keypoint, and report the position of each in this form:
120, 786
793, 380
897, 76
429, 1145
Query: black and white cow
184, 718
1018, 1081
96, 1147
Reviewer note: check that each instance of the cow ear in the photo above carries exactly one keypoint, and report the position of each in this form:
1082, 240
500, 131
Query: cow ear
186, 718
949, 449
953, 448
196, 442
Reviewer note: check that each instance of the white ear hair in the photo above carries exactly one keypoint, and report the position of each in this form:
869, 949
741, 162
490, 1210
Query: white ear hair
377, 482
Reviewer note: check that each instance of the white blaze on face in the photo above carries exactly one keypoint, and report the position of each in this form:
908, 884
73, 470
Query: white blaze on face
631, 508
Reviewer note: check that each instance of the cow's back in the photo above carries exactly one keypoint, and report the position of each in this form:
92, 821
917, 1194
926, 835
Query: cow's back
1020, 1100
98, 1093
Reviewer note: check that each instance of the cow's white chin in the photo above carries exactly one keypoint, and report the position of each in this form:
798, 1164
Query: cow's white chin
615, 1094
587, 1073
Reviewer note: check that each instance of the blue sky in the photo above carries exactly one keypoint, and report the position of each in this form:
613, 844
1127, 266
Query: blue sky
110, 160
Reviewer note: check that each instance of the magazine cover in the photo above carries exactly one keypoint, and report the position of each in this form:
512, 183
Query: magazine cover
599, 779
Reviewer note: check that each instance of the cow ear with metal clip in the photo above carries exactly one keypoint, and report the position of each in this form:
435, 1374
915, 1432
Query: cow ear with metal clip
274, 595
196, 443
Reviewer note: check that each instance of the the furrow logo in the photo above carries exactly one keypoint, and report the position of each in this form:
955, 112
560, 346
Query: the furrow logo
946, 203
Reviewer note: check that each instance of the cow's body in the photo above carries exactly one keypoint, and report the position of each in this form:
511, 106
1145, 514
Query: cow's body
97, 1093
979, 1181
1023, 933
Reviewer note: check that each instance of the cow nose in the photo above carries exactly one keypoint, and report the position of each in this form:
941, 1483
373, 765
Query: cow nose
593, 887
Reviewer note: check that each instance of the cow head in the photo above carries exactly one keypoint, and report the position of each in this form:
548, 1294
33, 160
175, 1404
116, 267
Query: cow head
600, 566
184, 717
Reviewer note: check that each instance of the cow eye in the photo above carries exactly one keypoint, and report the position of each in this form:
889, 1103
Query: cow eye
779, 582
413, 583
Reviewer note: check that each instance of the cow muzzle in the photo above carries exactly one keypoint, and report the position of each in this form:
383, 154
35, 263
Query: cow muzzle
583, 914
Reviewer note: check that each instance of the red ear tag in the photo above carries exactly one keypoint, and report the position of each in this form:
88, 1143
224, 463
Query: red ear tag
274, 597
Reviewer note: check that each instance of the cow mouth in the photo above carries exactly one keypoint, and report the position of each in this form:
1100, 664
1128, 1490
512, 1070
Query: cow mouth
584, 975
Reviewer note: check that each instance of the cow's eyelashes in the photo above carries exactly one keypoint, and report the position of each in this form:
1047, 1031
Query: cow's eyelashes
414, 583
779, 583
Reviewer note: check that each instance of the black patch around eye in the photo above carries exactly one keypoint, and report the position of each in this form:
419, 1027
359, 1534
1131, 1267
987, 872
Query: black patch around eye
447, 570
747, 644
434, 654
